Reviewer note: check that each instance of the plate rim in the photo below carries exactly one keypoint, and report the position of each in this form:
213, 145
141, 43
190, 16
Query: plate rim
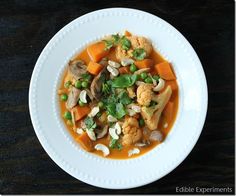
48, 45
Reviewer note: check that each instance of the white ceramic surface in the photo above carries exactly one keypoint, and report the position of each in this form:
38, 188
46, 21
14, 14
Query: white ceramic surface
45, 112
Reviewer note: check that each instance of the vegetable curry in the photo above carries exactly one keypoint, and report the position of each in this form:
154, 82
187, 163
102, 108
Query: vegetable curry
119, 97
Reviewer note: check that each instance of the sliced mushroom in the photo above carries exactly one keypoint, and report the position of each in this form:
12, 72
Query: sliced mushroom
156, 136
72, 98
102, 148
83, 125
89, 94
103, 118
96, 85
73, 117
103, 132
104, 62
77, 68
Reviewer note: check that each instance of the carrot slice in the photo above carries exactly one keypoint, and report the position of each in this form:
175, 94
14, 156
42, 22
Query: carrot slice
169, 111
146, 63
124, 70
80, 112
85, 142
164, 70
127, 33
94, 68
97, 51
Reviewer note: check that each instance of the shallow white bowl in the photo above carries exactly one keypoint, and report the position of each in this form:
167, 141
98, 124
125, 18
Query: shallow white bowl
44, 103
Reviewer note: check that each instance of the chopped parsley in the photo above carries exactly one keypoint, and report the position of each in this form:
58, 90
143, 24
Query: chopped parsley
125, 80
108, 44
124, 98
125, 43
116, 39
115, 144
90, 124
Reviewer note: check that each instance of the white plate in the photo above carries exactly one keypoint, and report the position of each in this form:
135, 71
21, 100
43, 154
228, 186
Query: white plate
44, 103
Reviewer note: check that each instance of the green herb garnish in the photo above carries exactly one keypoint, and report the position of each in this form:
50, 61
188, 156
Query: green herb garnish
120, 111
114, 144
123, 81
119, 146
90, 124
124, 98
116, 39
139, 53
125, 43
108, 44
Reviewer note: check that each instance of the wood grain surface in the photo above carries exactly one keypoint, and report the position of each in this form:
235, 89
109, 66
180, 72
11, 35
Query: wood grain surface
25, 28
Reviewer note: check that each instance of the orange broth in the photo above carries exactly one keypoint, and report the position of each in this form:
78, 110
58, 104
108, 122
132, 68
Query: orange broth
123, 154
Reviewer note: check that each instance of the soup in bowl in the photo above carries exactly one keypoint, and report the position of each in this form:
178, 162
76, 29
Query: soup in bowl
119, 97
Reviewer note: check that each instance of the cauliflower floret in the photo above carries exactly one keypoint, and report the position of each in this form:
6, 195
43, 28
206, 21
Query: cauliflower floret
136, 42
144, 94
141, 42
151, 115
122, 54
131, 131
131, 92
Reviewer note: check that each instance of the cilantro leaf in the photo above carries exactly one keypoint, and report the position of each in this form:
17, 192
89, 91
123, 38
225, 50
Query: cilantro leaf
139, 53
119, 146
124, 98
125, 43
114, 107
120, 110
111, 109
108, 44
114, 144
116, 39
107, 87
124, 80
90, 124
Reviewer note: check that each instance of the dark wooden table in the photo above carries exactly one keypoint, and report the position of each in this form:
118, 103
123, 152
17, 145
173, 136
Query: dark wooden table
25, 28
